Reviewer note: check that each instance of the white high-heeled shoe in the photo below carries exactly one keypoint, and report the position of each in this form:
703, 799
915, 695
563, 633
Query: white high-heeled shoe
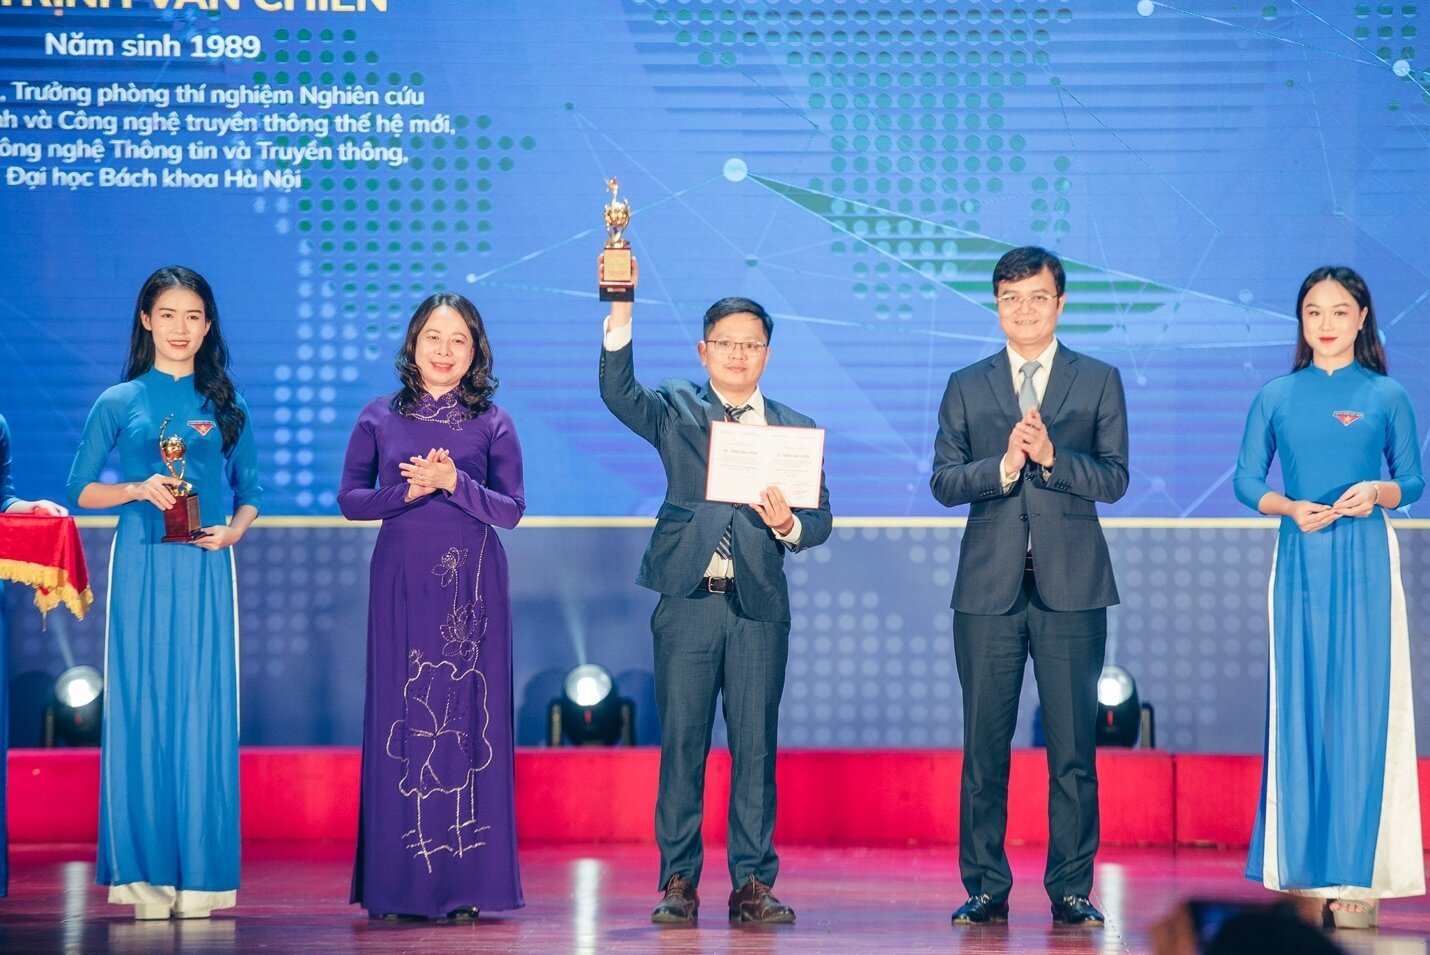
1368, 917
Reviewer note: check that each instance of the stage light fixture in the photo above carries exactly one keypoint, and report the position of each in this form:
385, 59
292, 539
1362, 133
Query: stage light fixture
590, 711
588, 684
1119, 712
75, 712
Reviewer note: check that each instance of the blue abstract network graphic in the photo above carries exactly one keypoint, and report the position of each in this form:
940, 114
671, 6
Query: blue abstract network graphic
857, 167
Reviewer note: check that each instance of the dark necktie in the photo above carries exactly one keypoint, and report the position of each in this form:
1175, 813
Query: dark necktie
724, 547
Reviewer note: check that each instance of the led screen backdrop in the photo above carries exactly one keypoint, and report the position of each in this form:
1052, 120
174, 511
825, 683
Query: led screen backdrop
856, 167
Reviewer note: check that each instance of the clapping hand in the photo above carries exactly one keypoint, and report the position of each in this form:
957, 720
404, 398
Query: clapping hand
1015, 457
1028, 441
1031, 434
427, 474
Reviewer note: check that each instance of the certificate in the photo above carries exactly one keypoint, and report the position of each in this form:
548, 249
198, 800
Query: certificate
745, 459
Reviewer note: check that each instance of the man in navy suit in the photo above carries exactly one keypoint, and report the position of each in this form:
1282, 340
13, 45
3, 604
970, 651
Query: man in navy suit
722, 624
1030, 438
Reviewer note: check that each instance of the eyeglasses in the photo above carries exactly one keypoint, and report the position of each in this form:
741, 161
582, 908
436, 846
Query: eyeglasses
724, 347
1016, 300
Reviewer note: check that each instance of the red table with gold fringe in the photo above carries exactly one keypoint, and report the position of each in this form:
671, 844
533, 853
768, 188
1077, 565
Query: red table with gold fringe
45, 553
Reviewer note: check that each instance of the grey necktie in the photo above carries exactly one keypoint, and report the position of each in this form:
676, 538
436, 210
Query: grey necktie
726, 539
1027, 394
1028, 398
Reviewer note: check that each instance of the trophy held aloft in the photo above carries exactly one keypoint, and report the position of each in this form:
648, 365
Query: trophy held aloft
617, 276
181, 522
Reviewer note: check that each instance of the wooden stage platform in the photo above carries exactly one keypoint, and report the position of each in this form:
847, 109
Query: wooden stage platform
867, 841
597, 898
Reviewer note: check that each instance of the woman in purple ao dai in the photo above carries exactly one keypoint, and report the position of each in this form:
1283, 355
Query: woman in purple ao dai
440, 466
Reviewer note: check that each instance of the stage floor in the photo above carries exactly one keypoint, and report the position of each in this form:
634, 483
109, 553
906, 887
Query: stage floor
598, 898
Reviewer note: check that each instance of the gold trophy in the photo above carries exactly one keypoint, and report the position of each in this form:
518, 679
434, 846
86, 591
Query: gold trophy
181, 522
616, 272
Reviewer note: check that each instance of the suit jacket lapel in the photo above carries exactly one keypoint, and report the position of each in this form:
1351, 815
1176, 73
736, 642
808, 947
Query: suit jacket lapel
714, 407
1000, 379
1060, 379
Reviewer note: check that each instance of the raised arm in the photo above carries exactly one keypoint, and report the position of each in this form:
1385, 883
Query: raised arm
639, 408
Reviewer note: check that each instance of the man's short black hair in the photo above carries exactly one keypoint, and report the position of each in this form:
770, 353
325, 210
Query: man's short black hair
1029, 260
734, 305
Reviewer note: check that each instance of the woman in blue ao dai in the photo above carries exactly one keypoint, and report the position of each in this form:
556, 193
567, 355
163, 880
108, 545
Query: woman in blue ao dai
440, 466
11, 504
168, 804
1339, 817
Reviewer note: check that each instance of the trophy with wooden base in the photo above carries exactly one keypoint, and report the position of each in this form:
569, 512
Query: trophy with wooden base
617, 278
181, 522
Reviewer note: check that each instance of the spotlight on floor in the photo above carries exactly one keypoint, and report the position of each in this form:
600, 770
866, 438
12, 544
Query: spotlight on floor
74, 714
590, 710
1119, 712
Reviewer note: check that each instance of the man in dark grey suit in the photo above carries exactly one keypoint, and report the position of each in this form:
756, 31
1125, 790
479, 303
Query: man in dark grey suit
1031, 438
722, 623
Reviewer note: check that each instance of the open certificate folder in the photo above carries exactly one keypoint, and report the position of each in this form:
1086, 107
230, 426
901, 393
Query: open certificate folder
745, 459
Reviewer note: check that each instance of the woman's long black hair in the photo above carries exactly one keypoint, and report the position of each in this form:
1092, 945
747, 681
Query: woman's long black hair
1368, 348
475, 389
211, 376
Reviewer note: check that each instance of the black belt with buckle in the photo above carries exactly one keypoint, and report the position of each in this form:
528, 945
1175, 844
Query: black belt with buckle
717, 585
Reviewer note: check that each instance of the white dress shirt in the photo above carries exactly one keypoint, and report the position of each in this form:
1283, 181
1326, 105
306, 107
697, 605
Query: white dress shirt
1040, 377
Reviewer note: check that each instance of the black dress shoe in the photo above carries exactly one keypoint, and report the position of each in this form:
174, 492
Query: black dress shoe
754, 902
464, 913
681, 903
980, 910
1077, 910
